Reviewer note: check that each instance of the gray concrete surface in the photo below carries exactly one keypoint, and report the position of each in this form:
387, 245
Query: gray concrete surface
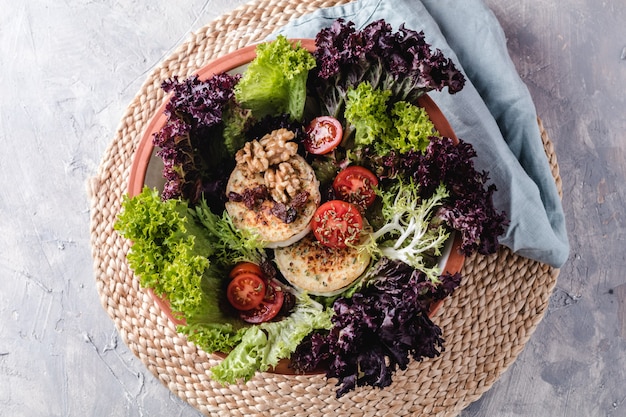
68, 69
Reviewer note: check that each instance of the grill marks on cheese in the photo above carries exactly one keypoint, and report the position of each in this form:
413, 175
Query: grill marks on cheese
319, 270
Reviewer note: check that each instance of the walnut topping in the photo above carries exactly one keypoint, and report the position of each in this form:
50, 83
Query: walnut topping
283, 182
252, 155
274, 163
271, 156
272, 149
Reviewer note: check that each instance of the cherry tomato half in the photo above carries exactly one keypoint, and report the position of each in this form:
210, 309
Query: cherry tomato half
337, 223
268, 308
246, 291
323, 135
356, 185
245, 267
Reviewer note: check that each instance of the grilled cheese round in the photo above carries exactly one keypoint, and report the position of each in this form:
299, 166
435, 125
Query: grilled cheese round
319, 270
271, 229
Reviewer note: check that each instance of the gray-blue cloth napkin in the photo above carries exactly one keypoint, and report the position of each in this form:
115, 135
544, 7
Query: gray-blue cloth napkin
494, 111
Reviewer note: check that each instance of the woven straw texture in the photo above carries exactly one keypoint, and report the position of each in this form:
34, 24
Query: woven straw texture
486, 323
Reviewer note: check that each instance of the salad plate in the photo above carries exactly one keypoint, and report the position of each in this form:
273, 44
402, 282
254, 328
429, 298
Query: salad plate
394, 231
147, 167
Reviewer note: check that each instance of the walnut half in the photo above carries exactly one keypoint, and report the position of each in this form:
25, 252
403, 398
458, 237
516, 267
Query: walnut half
283, 182
272, 149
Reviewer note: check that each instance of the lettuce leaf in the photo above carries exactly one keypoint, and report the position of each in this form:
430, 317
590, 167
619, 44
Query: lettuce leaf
172, 244
170, 250
229, 244
366, 112
414, 127
386, 126
402, 62
237, 121
196, 158
275, 81
379, 329
410, 234
208, 324
262, 346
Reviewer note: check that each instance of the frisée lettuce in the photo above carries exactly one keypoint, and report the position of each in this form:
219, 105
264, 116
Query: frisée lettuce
410, 232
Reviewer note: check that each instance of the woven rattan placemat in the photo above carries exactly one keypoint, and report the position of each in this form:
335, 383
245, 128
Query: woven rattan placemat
486, 323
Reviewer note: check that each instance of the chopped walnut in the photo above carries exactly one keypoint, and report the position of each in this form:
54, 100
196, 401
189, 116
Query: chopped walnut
283, 182
272, 157
272, 149
252, 155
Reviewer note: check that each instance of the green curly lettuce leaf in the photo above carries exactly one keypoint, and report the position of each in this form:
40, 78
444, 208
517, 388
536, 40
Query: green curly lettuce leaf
366, 112
413, 126
386, 126
170, 252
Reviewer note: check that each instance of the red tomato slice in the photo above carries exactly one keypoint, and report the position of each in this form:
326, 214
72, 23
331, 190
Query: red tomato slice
245, 267
356, 185
337, 223
246, 291
268, 308
323, 135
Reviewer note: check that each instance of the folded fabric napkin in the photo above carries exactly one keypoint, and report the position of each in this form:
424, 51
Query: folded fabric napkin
494, 111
